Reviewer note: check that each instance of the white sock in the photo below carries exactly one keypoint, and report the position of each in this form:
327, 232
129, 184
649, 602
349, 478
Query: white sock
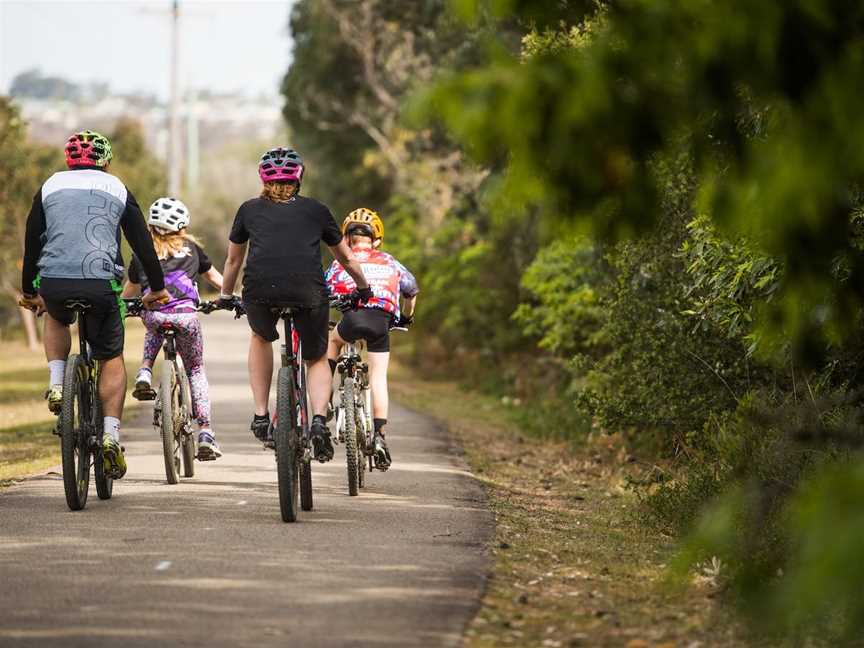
145, 373
56, 369
112, 427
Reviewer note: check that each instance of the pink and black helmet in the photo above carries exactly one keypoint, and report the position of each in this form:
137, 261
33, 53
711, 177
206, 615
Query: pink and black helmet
281, 165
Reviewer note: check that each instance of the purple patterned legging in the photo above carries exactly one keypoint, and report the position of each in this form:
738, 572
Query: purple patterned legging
190, 346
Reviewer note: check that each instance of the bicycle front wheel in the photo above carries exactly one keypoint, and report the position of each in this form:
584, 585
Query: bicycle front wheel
348, 407
104, 484
285, 438
170, 405
75, 432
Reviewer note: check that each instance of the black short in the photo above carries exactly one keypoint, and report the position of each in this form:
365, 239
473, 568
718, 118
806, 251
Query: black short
370, 324
104, 326
312, 324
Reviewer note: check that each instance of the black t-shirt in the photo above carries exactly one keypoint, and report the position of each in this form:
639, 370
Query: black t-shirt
284, 261
181, 272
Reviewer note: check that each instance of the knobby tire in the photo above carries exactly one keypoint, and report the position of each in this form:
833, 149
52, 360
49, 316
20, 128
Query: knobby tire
348, 406
104, 484
285, 437
73, 434
168, 389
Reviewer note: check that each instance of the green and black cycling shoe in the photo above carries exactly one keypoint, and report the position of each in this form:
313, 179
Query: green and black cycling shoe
319, 436
380, 453
54, 395
113, 461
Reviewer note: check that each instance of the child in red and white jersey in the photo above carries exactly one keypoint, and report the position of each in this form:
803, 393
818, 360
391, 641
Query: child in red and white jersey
390, 281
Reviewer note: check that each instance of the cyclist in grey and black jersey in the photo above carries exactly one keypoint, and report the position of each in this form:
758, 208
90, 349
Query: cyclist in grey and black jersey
72, 250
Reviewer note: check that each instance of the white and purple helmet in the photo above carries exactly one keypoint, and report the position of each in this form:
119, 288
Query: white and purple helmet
281, 165
168, 214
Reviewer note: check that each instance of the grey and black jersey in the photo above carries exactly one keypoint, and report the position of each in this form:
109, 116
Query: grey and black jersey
73, 230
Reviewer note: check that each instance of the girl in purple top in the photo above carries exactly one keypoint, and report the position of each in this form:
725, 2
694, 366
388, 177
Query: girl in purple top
182, 260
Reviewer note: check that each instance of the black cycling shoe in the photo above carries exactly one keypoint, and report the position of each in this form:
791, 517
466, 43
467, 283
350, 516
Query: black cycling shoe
322, 446
261, 428
380, 453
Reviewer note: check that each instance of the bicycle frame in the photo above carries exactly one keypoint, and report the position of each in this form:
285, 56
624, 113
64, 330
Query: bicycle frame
169, 354
92, 381
351, 364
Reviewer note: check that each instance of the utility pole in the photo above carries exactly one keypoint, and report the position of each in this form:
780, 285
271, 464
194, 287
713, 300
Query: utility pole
193, 160
174, 147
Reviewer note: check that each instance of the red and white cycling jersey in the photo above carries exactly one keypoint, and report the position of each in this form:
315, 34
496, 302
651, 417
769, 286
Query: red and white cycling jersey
386, 276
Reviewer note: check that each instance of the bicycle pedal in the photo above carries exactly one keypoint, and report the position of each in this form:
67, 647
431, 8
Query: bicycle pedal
144, 394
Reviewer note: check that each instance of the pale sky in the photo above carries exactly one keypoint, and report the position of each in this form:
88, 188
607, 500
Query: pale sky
226, 45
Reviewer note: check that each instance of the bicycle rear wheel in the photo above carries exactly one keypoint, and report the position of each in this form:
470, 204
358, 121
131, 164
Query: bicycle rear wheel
348, 406
74, 433
285, 437
169, 401
104, 484
187, 436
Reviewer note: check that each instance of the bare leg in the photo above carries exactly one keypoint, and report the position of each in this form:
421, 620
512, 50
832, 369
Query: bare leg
378, 364
260, 372
334, 345
112, 386
58, 339
320, 383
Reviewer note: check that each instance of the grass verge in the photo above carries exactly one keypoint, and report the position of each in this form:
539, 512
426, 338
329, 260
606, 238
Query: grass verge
26, 442
573, 566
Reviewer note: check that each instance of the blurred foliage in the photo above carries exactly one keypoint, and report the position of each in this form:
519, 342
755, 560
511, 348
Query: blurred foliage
23, 166
714, 74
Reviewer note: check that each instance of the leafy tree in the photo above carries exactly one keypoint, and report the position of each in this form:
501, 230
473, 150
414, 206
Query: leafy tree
22, 167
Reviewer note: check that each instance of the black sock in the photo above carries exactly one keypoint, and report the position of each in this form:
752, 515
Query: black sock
318, 418
379, 424
332, 364
262, 417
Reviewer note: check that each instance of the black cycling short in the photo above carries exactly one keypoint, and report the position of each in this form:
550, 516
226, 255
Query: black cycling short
103, 324
312, 324
370, 324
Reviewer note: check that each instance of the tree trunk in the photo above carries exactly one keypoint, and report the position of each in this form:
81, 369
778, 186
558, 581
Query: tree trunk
28, 321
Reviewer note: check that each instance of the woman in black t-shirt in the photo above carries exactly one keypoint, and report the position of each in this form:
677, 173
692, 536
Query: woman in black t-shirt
284, 231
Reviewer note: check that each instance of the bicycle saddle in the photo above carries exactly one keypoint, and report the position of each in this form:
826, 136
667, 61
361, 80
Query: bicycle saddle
77, 304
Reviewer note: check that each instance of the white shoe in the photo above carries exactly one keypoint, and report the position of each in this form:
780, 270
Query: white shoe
143, 388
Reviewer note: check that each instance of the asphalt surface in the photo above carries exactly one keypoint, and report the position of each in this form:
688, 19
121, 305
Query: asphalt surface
209, 561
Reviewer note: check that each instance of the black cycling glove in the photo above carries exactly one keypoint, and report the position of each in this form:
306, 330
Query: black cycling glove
404, 321
365, 294
230, 303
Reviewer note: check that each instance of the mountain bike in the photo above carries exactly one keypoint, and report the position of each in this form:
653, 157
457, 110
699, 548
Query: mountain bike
289, 430
172, 413
79, 423
353, 411
354, 414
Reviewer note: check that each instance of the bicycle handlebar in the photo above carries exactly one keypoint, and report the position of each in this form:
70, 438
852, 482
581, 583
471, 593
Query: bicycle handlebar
135, 306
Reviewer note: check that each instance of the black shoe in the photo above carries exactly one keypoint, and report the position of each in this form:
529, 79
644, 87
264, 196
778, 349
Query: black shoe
380, 453
261, 428
319, 435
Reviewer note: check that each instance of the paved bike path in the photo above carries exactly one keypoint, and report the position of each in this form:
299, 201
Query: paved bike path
209, 561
